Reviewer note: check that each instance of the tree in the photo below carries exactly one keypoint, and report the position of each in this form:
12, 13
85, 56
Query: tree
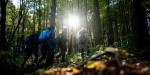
141, 24
97, 26
53, 11
3, 25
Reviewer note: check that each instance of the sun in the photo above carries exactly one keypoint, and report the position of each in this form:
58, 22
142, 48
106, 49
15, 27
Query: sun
73, 21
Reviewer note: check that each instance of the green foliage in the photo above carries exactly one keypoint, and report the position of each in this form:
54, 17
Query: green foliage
127, 42
123, 43
99, 49
76, 57
143, 52
11, 58
10, 62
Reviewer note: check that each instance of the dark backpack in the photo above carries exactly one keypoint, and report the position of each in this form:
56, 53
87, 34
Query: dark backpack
82, 37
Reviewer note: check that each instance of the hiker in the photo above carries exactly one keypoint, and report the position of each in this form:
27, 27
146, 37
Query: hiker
47, 44
61, 42
83, 42
31, 47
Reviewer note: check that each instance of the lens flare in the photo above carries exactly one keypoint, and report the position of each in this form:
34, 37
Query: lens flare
73, 21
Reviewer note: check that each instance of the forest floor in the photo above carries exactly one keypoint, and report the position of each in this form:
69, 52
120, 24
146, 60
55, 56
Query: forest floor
107, 63
132, 66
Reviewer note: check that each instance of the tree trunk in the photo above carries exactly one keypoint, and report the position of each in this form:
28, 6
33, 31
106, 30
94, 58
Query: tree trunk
39, 23
97, 26
53, 12
34, 16
3, 25
141, 23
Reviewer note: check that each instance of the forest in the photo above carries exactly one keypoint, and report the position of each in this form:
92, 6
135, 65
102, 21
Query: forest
74, 37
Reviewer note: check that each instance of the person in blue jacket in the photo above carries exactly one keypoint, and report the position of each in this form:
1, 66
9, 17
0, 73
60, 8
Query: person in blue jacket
47, 43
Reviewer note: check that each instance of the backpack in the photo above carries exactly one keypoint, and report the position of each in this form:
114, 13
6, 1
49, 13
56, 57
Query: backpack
47, 37
61, 39
82, 37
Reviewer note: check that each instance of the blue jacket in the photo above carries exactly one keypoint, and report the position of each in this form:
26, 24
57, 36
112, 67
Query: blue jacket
48, 35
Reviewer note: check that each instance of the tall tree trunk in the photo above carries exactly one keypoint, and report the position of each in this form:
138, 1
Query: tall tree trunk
53, 12
3, 25
34, 15
23, 33
141, 23
23, 28
109, 27
39, 23
85, 12
97, 26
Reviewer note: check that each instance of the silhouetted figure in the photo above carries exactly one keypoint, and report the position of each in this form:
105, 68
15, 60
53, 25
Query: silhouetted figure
83, 42
31, 47
47, 44
61, 42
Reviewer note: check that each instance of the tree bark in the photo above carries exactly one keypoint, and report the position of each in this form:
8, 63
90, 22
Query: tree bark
97, 26
3, 25
141, 24
53, 12
39, 23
